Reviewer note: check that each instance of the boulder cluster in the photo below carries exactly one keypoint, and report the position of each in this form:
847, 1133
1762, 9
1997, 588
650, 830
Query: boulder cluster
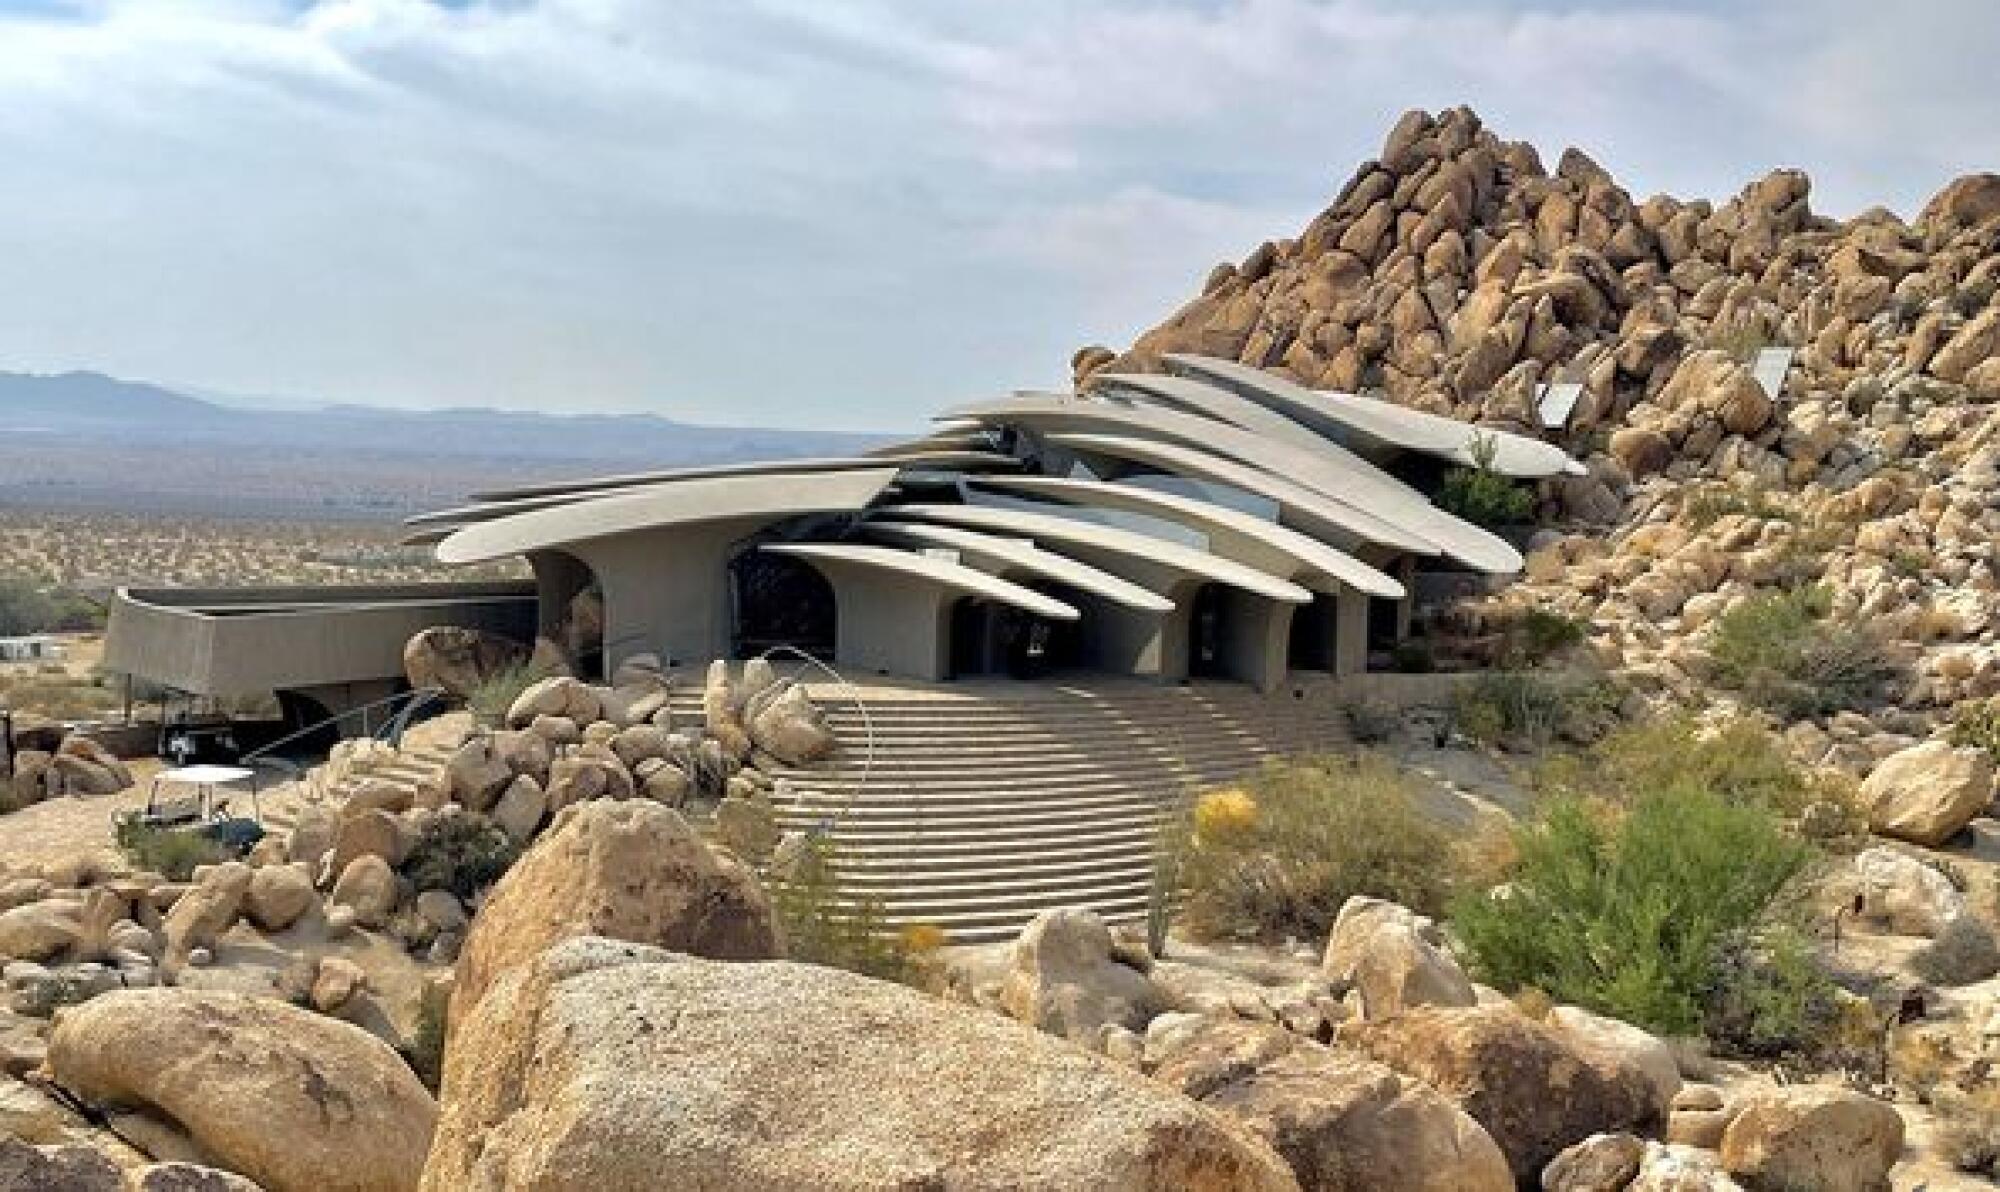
1455, 273
50, 761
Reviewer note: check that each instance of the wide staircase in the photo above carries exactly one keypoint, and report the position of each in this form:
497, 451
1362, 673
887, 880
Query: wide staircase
975, 810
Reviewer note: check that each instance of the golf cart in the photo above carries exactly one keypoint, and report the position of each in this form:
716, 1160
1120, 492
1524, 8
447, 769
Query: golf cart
200, 799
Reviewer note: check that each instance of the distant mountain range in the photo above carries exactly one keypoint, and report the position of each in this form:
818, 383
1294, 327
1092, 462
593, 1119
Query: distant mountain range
88, 440
94, 404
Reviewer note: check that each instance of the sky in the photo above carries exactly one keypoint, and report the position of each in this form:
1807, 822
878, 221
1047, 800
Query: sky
840, 214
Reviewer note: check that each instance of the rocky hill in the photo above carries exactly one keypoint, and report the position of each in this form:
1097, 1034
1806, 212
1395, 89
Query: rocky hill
1456, 273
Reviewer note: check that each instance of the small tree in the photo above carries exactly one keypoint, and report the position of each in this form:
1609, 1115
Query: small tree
1483, 496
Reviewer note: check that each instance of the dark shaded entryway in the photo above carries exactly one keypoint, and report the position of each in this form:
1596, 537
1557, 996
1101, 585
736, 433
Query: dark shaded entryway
777, 600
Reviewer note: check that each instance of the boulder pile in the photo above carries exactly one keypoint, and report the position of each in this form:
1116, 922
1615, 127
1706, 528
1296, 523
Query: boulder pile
1456, 273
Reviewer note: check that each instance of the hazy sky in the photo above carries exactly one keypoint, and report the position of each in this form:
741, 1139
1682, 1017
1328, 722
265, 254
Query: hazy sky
829, 213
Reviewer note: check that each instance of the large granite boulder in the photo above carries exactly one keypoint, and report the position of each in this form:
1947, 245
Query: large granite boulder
1394, 957
294, 1100
39, 931
200, 916
458, 659
1927, 793
630, 870
1622, 1044
791, 728
1534, 1091
1066, 975
1813, 1136
1344, 1123
1905, 895
613, 1067
558, 695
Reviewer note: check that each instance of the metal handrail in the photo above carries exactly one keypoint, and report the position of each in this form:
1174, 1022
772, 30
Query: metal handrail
867, 724
391, 731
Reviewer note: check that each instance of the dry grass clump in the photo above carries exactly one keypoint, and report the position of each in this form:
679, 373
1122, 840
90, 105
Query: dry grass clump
1783, 652
1276, 858
1964, 952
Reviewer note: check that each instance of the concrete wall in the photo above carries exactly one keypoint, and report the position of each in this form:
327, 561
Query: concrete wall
247, 641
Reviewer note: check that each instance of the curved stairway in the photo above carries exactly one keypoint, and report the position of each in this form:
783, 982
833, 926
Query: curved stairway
985, 804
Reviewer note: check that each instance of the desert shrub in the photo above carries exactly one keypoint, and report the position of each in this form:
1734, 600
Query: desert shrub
497, 692
1968, 1128
1483, 496
25, 608
1371, 721
1624, 911
827, 925
462, 853
1531, 710
1535, 636
1713, 502
1964, 952
1766, 997
1740, 761
1164, 887
1978, 725
1741, 339
171, 853
42, 997
1323, 829
1412, 656
425, 1050
1783, 654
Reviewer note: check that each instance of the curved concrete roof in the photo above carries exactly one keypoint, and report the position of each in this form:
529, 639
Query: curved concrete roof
1130, 544
1384, 422
1025, 555
1434, 533
1210, 402
1341, 518
759, 467
931, 569
719, 498
1335, 472
1220, 522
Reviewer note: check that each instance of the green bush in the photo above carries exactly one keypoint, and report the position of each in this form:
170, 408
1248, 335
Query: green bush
1531, 710
496, 693
1978, 725
25, 608
1767, 998
1624, 912
425, 1050
1323, 829
1740, 761
827, 925
172, 853
1711, 503
1783, 654
461, 853
1534, 636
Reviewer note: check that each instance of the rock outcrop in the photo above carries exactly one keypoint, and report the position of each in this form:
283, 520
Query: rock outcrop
624, 870
607, 1066
1809, 1136
1532, 1090
1394, 958
1344, 1123
1928, 792
457, 659
294, 1100
1066, 975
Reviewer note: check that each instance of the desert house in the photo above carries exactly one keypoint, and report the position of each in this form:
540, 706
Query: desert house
1215, 521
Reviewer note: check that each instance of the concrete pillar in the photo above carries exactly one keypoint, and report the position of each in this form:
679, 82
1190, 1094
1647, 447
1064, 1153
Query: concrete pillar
1350, 632
1406, 574
665, 591
890, 628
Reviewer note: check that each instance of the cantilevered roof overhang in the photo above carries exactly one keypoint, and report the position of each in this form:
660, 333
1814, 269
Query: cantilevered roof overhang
928, 569
1199, 397
1022, 554
1254, 538
1331, 470
1112, 543
716, 498
1383, 422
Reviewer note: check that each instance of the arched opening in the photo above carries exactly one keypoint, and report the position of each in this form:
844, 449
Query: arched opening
1313, 633
570, 609
1208, 645
779, 600
993, 638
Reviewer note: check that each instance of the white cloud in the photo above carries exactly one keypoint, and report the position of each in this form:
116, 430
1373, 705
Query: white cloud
827, 212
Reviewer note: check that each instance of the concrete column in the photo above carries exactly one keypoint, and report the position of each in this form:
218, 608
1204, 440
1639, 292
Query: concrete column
1406, 574
890, 628
1350, 632
665, 591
